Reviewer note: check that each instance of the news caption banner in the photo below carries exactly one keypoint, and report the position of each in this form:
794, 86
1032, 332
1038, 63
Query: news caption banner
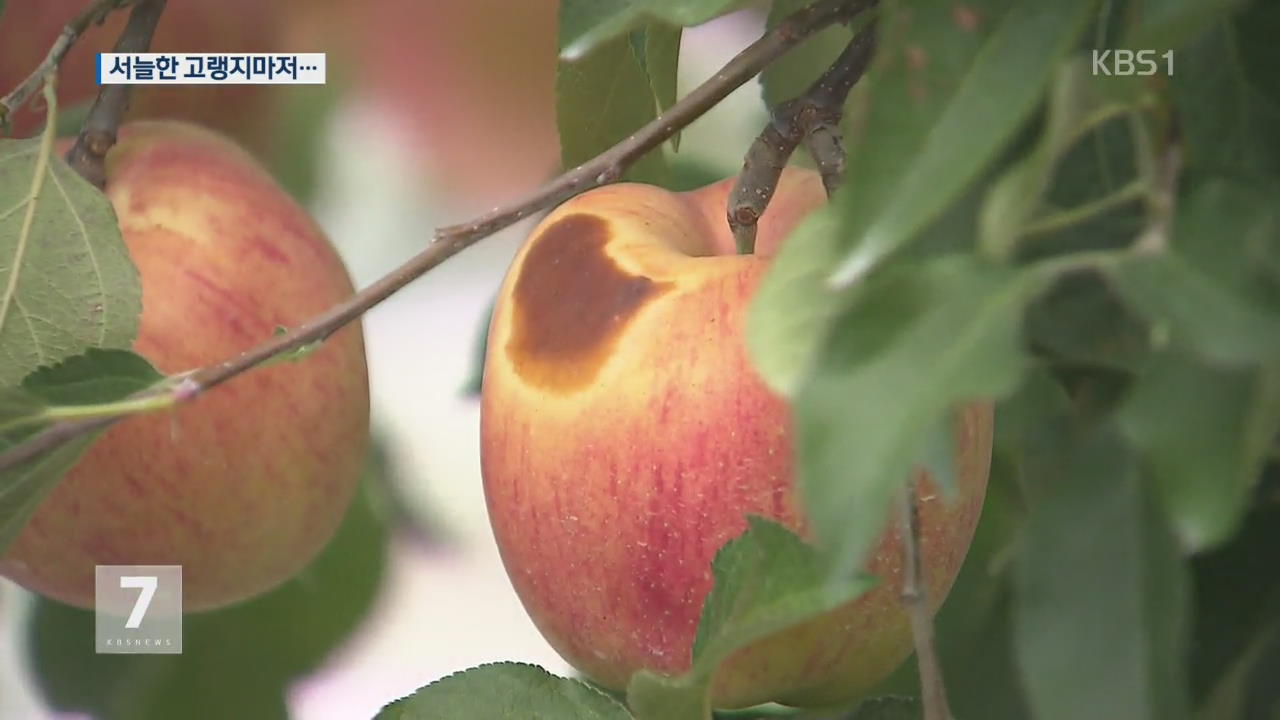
138, 609
211, 68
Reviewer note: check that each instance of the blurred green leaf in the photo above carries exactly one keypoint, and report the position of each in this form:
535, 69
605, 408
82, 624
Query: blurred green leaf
505, 691
1226, 95
795, 71
604, 96
1231, 696
237, 662
1081, 321
1164, 24
1237, 592
94, 378
945, 95
1204, 433
1095, 200
919, 341
792, 310
479, 348
766, 580
1078, 102
587, 24
67, 282
1211, 289
1103, 600
299, 120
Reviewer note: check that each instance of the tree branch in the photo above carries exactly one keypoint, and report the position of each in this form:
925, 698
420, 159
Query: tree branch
604, 168
98, 134
71, 32
915, 599
812, 118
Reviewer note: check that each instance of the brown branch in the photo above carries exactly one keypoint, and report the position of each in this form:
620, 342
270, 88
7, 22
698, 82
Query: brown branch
606, 167
71, 32
87, 156
812, 118
915, 599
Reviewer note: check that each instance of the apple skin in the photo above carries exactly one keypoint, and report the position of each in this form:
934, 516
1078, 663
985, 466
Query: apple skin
625, 437
29, 27
245, 484
462, 107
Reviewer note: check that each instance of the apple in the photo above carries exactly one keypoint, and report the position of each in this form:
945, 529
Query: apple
245, 484
29, 27
468, 86
625, 437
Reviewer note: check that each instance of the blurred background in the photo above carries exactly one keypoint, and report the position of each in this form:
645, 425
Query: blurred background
434, 112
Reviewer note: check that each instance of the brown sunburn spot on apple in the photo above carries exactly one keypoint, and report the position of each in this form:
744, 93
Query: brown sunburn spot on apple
561, 345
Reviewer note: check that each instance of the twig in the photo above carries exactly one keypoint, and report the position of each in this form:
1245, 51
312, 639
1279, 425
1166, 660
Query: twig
915, 599
71, 32
98, 134
812, 118
1161, 201
608, 166
604, 168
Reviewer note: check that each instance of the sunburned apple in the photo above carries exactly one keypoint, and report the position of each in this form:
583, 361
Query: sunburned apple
625, 437
244, 485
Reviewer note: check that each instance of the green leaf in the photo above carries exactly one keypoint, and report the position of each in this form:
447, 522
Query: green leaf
1225, 93
793, 309
659, 57
1230, 697
79, 383
66, 280
918, 342
1210, 289
587, 24
1237, 594
1082, 322
479, 348
1102, 593
1078, 102
766, 580
944, 97
1164, 24
505, 691
603, 97
793, 73
236, 662
1204, 433
24, 486
97, 376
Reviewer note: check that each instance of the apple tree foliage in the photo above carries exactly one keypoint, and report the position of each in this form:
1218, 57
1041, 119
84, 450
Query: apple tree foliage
1095, 250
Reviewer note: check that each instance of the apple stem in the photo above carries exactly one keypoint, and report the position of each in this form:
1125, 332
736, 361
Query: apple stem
98, 134
915, 599
71, 32
604, 168
813, 118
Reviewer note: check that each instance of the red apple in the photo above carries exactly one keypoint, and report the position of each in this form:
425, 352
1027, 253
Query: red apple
625, 437
29, 27
244, 485
471, 85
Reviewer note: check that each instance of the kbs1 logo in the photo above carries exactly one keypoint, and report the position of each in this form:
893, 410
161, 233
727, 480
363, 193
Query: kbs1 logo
1132, 62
